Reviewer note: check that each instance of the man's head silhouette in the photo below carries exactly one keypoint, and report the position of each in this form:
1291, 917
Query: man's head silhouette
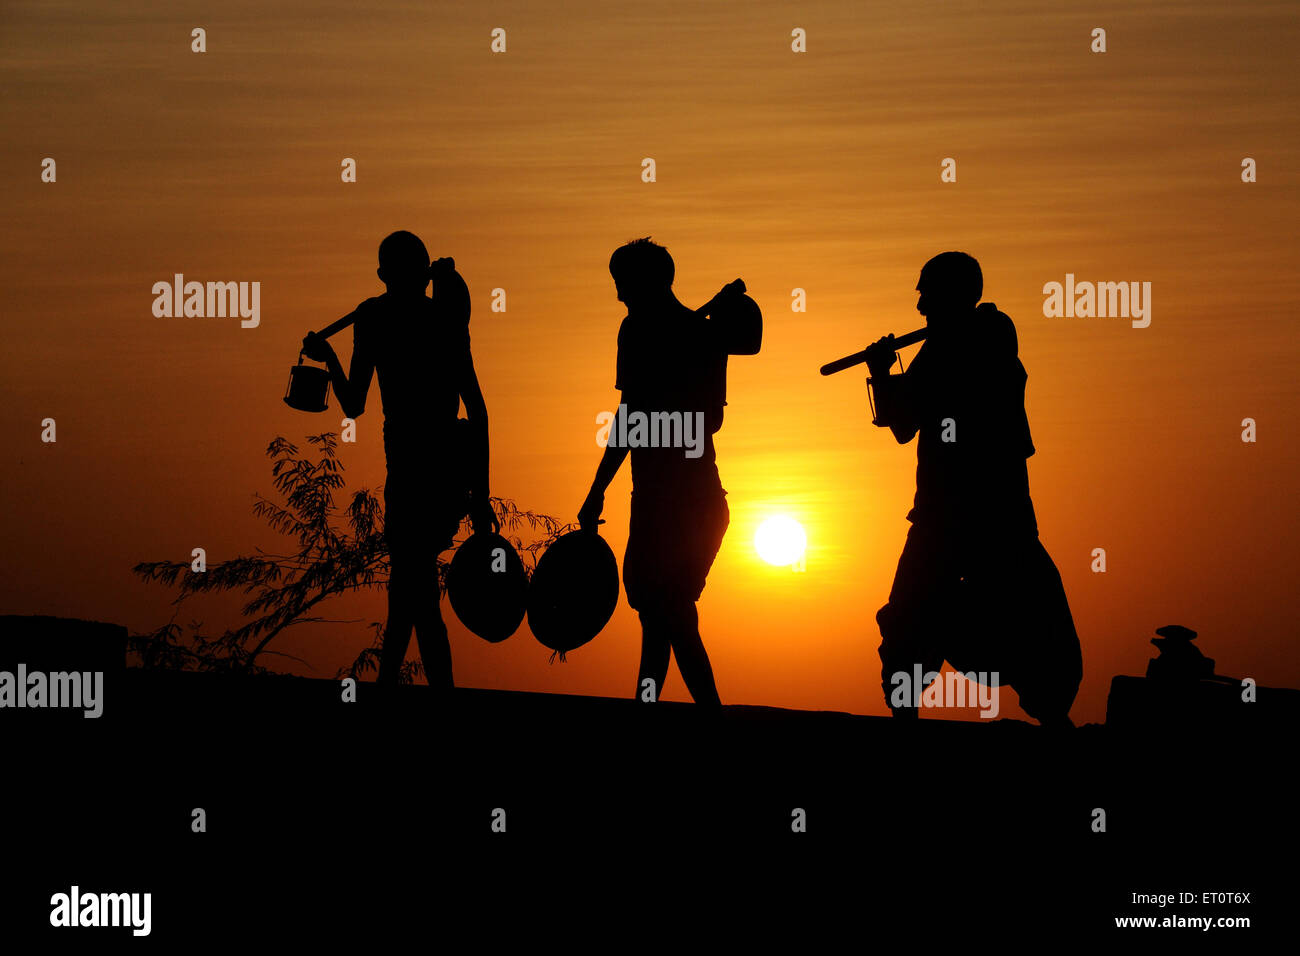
404, 263
950, 285
642, 271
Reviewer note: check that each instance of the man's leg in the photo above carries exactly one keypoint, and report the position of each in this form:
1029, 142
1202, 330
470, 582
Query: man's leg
656, 646
643, 564
709, 523
431, 631
911, 623
668, 557
413, 598
401, 619
401, 584
692, 658
413, 592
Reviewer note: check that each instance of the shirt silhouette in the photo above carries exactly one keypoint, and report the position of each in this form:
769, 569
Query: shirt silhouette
670, 360
968, 381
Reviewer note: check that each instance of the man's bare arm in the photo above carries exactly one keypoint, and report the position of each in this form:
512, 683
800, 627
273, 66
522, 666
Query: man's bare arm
471, 393
610, 462
351, 390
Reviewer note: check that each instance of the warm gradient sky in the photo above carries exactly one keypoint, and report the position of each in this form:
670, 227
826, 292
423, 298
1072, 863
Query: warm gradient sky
818, 171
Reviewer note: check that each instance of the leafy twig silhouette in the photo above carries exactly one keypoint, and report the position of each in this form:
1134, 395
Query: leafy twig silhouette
333, 557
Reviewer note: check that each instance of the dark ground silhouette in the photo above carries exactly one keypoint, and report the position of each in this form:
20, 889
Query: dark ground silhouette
320, 822
314, 807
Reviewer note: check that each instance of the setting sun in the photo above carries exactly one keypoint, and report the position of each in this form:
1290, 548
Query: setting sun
780, 540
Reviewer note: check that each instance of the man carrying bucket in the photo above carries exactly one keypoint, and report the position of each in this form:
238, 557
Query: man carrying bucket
419, 347
671, 361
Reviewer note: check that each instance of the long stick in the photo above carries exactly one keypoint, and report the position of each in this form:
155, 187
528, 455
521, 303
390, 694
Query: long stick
857, 358
434, 267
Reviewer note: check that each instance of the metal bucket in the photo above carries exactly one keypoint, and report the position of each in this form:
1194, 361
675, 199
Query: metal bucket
308, 389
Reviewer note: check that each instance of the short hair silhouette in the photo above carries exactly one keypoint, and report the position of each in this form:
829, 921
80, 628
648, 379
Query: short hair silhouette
953, 277
641, 265
403, 256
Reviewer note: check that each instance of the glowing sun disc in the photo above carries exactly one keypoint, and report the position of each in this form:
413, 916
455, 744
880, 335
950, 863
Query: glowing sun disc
780, 540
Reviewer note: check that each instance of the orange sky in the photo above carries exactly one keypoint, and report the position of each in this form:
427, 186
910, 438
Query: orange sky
818, 171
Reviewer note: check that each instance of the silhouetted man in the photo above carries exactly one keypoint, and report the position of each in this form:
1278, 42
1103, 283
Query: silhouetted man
419, 346
974, 584
670, 360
